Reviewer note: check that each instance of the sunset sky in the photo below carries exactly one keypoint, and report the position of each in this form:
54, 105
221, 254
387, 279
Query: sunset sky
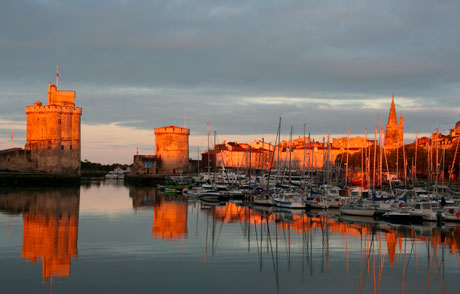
138, 65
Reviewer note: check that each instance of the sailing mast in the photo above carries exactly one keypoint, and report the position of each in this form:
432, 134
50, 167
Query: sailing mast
290, 150
215, 159
304, 155
415, 162
381, 154
375, 158
277, 143
348, 149
209, 167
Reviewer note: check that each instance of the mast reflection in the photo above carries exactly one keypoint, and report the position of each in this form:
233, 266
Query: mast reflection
290, 234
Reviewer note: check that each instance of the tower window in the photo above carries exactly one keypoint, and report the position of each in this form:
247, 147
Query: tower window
62, 147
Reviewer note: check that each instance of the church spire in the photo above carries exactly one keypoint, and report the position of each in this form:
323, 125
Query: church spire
392, 118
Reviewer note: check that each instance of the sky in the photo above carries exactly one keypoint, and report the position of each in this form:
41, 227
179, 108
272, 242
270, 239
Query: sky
139, 65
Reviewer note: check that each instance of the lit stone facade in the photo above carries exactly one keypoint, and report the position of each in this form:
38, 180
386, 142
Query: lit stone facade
53, 137
394, 133
53, 133
262, 155
171, 147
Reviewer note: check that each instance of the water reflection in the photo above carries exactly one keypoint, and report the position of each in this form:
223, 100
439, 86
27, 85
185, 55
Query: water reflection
151, 239
50, 228
169, 212
302, 244
315, 234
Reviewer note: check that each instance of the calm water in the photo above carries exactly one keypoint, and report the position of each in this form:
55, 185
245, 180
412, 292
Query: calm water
108, 238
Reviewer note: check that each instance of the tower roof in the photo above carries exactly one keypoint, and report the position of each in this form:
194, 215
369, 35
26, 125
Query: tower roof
392, 118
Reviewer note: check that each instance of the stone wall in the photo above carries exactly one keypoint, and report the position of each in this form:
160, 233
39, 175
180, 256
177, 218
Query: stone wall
145, 165
16, 159
171, 146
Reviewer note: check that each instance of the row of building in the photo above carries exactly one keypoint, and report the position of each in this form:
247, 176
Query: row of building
54, 145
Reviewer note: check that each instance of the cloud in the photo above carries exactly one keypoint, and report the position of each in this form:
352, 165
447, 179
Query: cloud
238, 64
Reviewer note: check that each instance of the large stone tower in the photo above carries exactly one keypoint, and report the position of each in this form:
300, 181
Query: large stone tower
171, 146
53, 133
394, 133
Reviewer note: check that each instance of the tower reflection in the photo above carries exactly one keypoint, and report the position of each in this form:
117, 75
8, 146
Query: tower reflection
50, 226
169, 212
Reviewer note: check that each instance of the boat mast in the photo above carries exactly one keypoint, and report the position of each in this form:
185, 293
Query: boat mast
290, 149
362, 164
215, 159
381, 154
209, 167
348, 149
304, 156
375, 158
415, 162
277, 142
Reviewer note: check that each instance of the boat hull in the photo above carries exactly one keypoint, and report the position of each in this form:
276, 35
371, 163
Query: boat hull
357, 211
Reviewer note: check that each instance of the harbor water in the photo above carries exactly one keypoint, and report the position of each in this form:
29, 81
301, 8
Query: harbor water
105, 237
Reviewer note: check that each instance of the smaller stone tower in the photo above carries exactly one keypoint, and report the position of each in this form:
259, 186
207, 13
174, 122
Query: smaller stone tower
171, 147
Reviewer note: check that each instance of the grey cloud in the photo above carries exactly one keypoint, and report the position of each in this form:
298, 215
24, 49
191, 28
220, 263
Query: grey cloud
200, 57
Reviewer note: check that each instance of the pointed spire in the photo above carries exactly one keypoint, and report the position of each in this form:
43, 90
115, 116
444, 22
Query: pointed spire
392, 118
401, 120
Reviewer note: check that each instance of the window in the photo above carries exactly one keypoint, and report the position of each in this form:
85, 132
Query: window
62, 147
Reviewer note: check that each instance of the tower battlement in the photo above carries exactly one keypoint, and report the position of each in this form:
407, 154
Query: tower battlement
172, 130
52, 109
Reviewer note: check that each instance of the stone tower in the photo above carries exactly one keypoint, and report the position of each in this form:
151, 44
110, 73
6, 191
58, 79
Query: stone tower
53, 133
394, 132
171, 147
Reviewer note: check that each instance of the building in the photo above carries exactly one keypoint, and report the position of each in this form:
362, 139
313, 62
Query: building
53, 137
171, 154
302, 152
146, 164
172, 148
394, 132
311, 154
255, 155
438, 140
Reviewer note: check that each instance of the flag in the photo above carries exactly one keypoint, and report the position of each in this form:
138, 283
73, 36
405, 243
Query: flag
57, 75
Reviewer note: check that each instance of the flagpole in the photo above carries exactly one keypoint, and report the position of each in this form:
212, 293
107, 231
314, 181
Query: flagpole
57, 76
